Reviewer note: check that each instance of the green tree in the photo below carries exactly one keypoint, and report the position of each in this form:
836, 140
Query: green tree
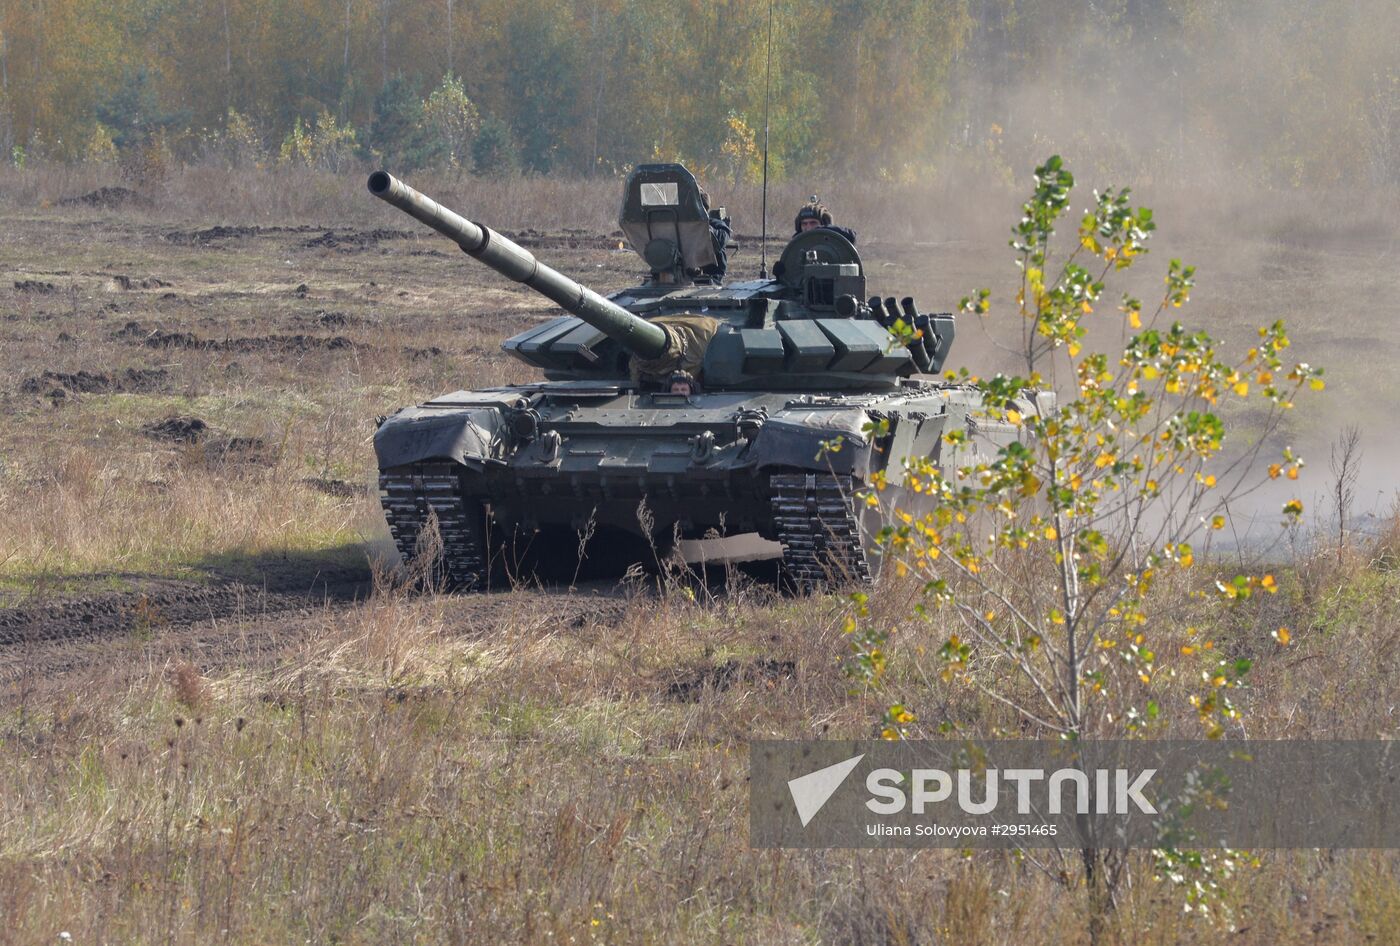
132, 113
541, 84
398, 137
493, 151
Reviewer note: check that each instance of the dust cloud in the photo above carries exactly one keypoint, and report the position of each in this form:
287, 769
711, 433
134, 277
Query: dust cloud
1265, 135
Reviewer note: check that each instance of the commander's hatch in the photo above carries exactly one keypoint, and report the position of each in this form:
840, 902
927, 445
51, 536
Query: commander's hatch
665, 221
821, 266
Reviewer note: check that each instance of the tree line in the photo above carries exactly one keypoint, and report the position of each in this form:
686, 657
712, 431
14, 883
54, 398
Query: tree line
1288, 93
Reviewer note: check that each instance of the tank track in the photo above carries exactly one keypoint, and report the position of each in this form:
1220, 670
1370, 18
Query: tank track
409, 494
818, 528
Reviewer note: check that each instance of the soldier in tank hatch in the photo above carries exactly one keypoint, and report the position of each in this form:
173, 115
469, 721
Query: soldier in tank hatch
720, 232
683, 382
813, 215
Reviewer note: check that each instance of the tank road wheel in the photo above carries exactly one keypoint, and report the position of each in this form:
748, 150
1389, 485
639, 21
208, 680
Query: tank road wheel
415, 495
818, 527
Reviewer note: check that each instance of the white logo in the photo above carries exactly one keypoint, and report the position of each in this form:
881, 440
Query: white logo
813, 790
1101, 791
1112, 791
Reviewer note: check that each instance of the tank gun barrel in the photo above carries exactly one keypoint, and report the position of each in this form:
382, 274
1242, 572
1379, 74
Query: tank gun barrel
637, 335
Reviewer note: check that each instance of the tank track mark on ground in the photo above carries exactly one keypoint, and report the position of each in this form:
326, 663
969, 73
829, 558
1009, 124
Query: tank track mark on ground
158, 606
410, 495
818, 528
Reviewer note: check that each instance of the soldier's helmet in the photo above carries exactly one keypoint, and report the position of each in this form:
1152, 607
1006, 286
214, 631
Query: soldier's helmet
685, 380
813, 210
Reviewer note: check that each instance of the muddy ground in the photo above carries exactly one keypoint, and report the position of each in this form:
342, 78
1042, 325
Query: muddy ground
143, 353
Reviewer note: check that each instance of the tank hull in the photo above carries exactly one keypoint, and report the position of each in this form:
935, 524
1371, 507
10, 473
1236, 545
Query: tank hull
572, 460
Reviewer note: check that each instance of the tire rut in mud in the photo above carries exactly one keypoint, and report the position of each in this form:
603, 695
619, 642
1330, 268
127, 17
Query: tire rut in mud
111, 640
160, 604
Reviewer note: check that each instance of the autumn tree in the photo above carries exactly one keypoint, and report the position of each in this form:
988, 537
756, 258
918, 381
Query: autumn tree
1041, 560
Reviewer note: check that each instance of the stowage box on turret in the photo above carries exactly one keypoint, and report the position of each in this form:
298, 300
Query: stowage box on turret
778, 369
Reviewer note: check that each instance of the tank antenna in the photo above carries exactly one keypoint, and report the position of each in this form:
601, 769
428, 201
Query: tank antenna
767, 87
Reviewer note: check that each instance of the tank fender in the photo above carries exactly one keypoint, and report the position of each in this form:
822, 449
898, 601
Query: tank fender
469, 436
913, 437
804, 440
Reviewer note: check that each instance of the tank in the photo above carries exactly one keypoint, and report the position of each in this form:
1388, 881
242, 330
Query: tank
799, 394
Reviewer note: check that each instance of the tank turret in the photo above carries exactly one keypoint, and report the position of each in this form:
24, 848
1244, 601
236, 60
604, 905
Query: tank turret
806, 328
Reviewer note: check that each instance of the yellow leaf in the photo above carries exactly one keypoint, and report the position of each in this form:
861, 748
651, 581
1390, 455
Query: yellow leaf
1051, 534
1242, 388
1073, 349
1282, 636
1014, 417
1317, 384
1135, 318
1218, 522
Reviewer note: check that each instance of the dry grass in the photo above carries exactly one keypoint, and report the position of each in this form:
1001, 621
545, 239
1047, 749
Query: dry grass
85, 514
421, 769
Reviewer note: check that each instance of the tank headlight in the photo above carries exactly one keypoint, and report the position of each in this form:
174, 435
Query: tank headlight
526, 424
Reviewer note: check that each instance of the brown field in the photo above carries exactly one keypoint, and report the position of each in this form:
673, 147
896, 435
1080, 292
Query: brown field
220, 722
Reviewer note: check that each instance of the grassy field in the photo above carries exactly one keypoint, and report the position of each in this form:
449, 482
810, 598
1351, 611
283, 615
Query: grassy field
246, 734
